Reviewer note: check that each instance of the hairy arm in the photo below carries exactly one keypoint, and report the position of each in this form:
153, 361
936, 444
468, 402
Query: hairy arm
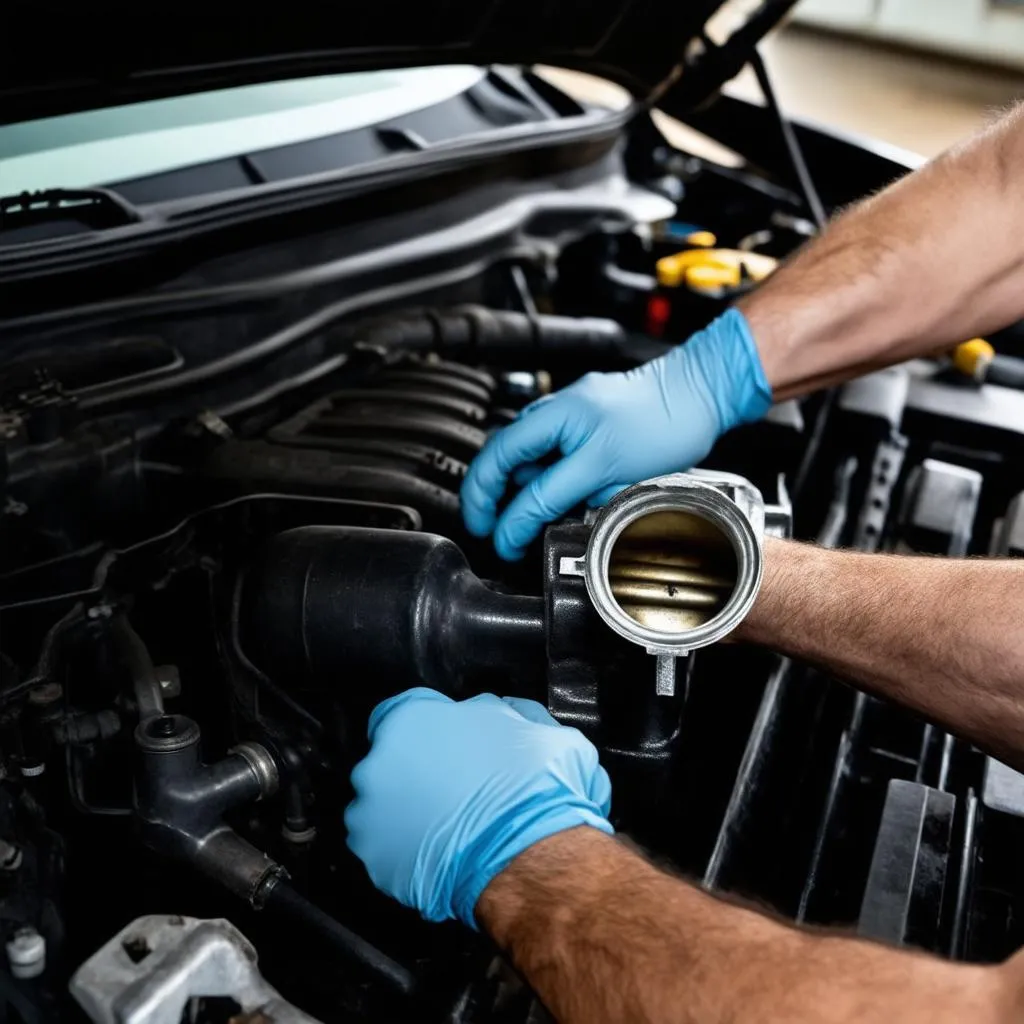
944, 637
602, 935
933, 260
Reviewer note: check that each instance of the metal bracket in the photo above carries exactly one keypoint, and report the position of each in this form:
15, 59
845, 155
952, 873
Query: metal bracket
778, 518
153, 970
665, 675
572, 567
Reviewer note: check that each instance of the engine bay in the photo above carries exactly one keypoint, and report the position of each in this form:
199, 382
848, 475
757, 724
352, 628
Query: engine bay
232, 527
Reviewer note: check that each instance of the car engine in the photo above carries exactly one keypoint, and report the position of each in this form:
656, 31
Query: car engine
231, 527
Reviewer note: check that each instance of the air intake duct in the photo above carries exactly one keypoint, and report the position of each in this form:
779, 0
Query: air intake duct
377, 611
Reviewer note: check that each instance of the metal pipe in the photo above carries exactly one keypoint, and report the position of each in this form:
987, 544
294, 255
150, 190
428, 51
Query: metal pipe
134, 655
790, 141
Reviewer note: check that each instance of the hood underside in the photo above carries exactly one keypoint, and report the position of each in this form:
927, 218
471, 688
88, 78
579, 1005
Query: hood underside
62, 58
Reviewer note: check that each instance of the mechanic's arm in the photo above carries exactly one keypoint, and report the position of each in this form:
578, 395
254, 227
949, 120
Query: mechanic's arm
932, 261
942, 636
488, 811
602, 935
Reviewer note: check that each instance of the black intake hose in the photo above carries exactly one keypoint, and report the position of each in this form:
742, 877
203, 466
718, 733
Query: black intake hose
252, 467
463, 333
471, 334
377, 611
291, 906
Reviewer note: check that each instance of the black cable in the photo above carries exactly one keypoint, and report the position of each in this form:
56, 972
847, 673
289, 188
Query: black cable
284, 900
257, 675
51, 649
796, 156
120, 393
814, 443
14, 995
76, 789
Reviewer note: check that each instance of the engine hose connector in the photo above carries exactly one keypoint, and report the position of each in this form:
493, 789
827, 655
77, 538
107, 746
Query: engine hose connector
181, 802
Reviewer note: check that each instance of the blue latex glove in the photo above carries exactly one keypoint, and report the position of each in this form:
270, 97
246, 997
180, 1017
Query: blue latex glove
451, 792
614, 429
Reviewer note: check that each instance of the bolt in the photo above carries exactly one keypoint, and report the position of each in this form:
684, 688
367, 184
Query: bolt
170, 681
163, 727
26, 953
213, 424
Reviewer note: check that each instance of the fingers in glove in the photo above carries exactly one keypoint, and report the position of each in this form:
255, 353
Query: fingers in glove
392, 704
537, 403
603, 496
546, 498
527, 473
601, 790
486, 698
526, 440
353, 818
599, 786
531, 710
595, 779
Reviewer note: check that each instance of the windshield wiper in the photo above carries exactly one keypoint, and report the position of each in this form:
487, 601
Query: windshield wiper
96, 208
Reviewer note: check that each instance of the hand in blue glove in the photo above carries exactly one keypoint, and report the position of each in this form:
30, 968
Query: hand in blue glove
614, 429
451, 792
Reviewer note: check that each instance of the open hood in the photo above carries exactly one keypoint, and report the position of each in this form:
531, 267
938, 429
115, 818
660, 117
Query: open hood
61, 58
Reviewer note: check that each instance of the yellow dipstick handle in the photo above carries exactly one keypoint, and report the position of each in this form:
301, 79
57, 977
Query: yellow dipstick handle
702, 239
701, 268
707, 269
973, 358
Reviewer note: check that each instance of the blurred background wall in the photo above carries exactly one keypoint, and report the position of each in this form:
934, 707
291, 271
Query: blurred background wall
917, 74
921, 99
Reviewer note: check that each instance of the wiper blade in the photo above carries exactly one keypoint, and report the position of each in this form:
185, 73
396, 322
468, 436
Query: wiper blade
96, 208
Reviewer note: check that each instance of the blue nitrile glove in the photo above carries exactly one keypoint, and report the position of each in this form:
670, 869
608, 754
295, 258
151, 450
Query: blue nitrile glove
614, 429
451, 792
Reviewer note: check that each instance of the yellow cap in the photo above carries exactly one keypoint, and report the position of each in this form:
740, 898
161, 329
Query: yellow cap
972, 358
702, 239
709, 276
701, 269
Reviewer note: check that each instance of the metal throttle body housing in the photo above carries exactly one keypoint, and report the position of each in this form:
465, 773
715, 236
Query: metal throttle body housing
675, 563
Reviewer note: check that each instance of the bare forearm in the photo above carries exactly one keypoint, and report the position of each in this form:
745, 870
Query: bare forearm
944, 637
933, 260
602, 935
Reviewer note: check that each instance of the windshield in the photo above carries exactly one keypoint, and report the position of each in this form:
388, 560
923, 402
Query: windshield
116, 144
